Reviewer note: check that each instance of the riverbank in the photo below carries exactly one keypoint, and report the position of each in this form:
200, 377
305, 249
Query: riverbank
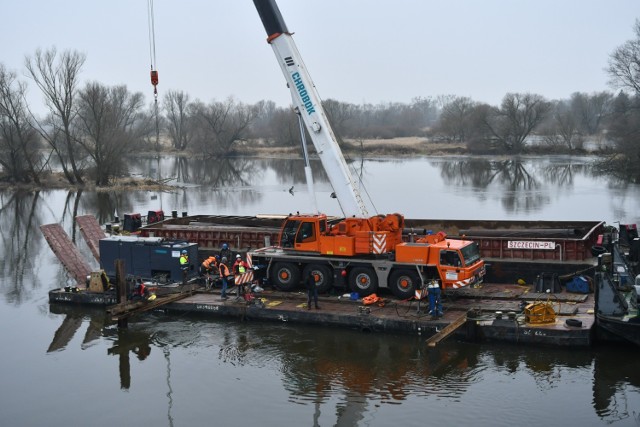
405, 147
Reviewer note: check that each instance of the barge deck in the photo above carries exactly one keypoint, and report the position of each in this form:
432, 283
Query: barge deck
482, 308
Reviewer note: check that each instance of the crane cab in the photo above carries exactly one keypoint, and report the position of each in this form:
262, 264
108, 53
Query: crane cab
349, 237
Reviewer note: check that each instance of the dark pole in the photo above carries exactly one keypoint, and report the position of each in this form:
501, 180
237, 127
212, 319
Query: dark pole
121, 287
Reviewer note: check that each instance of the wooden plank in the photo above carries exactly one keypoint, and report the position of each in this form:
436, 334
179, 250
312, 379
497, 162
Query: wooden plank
127, 309
66, 252
447, 330
92, 233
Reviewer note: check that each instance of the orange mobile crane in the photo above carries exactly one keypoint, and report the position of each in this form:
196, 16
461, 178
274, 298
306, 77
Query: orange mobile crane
361, 251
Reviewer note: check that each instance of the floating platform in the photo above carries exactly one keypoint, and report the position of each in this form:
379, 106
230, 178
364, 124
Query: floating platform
493, 313
410, 317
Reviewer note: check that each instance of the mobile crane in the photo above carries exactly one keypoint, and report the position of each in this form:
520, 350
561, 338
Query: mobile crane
361, 251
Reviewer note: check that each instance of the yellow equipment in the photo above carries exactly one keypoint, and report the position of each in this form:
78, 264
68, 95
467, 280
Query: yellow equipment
539, 313
98, 281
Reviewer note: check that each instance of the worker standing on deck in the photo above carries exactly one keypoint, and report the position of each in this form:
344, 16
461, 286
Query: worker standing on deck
312, 290
184, 264
225, 252
240, 267
435, 302
224, 274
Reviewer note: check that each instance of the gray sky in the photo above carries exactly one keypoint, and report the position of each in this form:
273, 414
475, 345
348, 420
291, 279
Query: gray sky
359, 51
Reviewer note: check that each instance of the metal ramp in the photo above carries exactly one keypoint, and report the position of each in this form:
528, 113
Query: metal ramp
92, 233
66, 252
446, 331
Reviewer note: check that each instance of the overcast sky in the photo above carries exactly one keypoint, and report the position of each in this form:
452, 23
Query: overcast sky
359, 51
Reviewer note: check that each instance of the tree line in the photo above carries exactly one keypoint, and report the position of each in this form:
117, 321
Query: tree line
89, 130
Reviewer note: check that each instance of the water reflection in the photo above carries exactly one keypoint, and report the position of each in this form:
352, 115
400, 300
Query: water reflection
20, 216
610, 398
513, 179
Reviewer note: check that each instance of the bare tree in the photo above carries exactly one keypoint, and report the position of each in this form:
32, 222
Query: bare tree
456, 119
339, 115
18, 139
178, 110
517, 117
109, 122
624, 130
590, 110
624, 63
57, 78
562, 129
221, 124
285, 128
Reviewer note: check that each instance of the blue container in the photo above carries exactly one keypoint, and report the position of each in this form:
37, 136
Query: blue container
579, 285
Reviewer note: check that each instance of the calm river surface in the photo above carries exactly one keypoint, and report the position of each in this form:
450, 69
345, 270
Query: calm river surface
66, 366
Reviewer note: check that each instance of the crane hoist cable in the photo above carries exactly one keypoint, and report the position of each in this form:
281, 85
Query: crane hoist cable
154, 71
152, 48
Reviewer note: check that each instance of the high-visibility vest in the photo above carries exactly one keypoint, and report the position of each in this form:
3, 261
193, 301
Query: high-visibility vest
207, 262
224, 270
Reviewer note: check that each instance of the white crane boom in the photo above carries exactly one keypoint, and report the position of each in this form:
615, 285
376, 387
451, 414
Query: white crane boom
308, 101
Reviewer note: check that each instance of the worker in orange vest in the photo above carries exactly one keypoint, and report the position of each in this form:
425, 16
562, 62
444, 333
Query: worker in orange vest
224, 275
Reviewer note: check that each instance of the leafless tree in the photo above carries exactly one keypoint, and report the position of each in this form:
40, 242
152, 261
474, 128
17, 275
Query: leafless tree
109, 122
590, 110
624, 63
19, 156
456, 119
179, 114
427, 108
57, 78
562, 128
285, 129
220, 125
339, 115
517, 117
624, 130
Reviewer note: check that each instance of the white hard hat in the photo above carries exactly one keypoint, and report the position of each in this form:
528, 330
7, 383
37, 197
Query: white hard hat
238, 256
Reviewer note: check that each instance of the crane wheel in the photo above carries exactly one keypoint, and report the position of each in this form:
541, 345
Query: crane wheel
323, 274
285, 276
363, 280
403, 283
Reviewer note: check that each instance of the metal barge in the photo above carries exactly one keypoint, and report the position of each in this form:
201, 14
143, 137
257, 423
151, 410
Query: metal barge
490, 312
513, 249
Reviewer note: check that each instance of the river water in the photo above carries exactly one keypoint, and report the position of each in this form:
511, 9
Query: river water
67, 366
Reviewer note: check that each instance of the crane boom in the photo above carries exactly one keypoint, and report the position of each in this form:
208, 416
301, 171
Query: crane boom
306, 98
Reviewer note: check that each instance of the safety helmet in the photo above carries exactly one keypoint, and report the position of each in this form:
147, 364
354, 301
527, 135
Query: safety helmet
218, 257
225, 246
238, 256
184, 251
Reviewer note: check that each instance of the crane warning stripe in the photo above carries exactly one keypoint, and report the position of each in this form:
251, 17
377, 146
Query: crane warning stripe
379, 243
240, 279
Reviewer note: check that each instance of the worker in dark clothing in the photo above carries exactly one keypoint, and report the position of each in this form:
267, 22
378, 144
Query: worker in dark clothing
312, 290
225, 252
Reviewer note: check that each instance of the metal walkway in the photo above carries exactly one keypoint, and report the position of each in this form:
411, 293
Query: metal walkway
66, 252
92, 233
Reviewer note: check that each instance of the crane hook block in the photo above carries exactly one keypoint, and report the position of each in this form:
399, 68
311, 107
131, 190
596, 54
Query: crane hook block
154, 77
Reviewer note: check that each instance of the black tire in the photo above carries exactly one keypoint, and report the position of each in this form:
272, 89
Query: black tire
324, 276
363, 280
285, 276
576, 323
403, 283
